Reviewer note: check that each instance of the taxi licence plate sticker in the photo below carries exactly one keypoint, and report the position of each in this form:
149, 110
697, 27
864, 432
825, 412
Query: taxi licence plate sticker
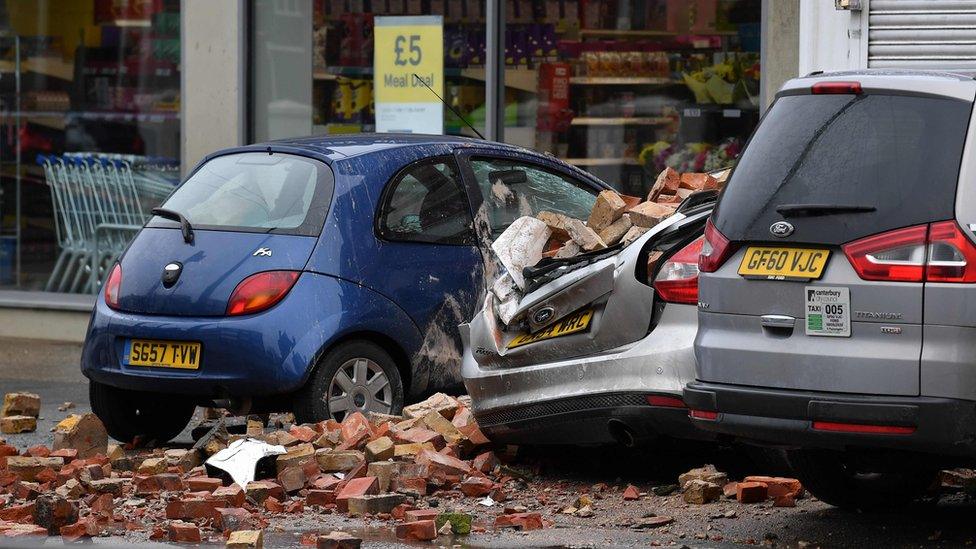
572, 324
828, 311
182, 355
776, 263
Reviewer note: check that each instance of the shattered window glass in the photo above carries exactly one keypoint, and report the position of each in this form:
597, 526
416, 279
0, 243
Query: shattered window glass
427, 204
514, 189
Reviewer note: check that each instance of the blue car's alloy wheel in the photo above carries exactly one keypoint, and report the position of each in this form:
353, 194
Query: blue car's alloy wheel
355, 376
360, 385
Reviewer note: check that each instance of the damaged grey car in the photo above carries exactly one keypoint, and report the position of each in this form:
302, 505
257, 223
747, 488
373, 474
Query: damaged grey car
597, 347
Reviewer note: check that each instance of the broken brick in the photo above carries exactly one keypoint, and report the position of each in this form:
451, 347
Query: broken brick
292, 479
384, 471
784, 500
18, 513
484, 462
667, 182
381, 449
164, 482
779, 485
355, 487
228, 519
183, 532
338, 540
85, 433
260, 490
192, 508
53, 511
631, 493
421, 530
21, 404
697, 182
12, 425
586, 237
477, 487
608, 208
750, 492
519, 521
614, 232
372, 504
28, 468
420, 435
200, 484
442, 463
334, 461
649, 214
320, 497
246, 539
700, 492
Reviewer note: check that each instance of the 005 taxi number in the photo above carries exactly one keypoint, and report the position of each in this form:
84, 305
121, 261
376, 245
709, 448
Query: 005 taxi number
162, 354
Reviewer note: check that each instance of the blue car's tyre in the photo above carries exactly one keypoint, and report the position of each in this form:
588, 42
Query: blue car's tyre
356, 376
130, 415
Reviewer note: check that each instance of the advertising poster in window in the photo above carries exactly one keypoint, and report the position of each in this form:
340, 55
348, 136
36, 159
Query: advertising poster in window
408, 74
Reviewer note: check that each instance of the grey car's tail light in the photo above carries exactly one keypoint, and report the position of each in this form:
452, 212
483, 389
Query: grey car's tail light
677, 280
716, 249
935, 252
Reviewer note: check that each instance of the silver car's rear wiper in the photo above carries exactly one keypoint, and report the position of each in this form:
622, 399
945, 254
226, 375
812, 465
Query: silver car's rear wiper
185, 226
811, 210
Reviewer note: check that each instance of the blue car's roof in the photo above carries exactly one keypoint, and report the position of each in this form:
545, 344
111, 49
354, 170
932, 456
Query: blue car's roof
337, 147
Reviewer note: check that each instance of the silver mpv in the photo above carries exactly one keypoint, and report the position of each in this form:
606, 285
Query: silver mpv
837, 305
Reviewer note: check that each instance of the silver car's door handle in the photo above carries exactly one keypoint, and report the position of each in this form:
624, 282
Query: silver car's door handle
777, 321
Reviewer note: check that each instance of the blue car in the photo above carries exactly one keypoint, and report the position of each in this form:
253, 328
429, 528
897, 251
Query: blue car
317, 275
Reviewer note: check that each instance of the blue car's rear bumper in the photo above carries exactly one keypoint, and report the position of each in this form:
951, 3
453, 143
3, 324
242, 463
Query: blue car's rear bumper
266, 354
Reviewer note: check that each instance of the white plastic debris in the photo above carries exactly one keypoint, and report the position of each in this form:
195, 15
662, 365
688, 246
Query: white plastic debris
521, 245
240, 458
487, 502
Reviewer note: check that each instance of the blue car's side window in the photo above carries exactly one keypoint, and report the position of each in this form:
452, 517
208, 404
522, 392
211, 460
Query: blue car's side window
426, 203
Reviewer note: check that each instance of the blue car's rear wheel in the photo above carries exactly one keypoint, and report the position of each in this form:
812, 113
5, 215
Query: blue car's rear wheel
128, 415
357, 376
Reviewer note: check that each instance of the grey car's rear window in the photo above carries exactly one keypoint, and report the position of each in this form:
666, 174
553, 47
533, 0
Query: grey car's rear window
896, 153
255, 192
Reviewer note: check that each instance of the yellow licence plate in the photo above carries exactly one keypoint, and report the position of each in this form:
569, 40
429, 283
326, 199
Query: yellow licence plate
774, 263
184, 355
572, 324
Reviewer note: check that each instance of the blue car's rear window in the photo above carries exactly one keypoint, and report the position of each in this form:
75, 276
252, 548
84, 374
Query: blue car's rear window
255, 192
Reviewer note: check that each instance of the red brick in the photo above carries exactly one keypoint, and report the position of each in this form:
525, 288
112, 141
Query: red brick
441, 463
519, 521
326, 482
415, 484
421, 530
85, 528
784, 500
751, 492
184, 532
39, 450
229, 519
192, 508
201, 484
163, 482
356, 487
631, 493
476, 487
53, 512
320, 497
303, 433
485, 462
103, 504
420, 435
273, 505
415, 515
23, 514
292, 479
730, 489
400, 511
295, 506
230, 496
779, 485
68, 454
353, 425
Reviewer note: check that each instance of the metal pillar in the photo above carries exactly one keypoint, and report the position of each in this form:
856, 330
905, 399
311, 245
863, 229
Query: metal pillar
495, 70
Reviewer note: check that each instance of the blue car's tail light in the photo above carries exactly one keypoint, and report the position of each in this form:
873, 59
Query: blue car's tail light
260, 291
112, 287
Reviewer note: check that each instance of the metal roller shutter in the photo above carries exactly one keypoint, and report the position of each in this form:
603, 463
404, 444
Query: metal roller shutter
922, 34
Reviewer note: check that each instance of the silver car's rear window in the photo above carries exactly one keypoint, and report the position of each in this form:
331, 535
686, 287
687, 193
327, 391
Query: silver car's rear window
898, 154
255, 192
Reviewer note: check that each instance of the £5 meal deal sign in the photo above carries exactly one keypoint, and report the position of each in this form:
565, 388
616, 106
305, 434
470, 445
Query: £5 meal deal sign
409, 58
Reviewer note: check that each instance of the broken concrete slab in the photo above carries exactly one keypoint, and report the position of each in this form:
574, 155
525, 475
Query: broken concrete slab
521, 245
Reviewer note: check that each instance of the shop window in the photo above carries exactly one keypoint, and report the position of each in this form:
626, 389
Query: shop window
94, 87
514, 189
426, 203
625, 88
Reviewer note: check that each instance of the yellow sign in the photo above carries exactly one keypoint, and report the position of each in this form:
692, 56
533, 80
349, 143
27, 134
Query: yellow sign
783, 263
570, 325
408, 74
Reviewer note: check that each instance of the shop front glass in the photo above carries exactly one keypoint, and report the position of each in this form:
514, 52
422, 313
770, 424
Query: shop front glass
89, 133
625, 88
334, 55
622, 88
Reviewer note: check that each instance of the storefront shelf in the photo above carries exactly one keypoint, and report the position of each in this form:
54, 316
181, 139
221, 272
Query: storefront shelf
620, 121
637, 34
622, 81
601, 161
160, 116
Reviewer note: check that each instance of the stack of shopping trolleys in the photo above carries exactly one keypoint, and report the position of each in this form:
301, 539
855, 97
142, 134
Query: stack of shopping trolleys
100, 203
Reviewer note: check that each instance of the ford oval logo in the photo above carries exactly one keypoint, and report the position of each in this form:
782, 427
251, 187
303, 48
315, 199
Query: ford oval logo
781, 229
543, 315
171, 273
